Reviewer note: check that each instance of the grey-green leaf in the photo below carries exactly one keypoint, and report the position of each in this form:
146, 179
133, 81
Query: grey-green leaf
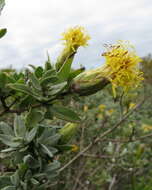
35, 82
55, 89
47, 151
15, 179
6, 129
8, 140
19, 126
64, 113
33, 117
9, 188
30, 136
4, 181
64, 72
2, 3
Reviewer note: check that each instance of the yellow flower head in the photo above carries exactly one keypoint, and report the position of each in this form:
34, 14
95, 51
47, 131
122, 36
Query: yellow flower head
109, 112
146, 128
132, 105
85, 108
75, 148
75, 37
122, 61
101, 107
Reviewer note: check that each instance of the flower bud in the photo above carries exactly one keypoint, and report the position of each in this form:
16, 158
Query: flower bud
89, 82
67, 132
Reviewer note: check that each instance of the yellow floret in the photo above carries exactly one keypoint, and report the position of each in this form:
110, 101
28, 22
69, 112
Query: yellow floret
75, 37
122, 61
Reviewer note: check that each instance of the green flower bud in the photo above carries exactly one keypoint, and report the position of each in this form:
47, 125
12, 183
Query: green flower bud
67, 132
90, 82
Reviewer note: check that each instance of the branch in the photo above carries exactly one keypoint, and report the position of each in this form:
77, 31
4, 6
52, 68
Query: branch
101, 136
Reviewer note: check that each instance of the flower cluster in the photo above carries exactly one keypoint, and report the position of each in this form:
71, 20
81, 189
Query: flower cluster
75, 37
122, 63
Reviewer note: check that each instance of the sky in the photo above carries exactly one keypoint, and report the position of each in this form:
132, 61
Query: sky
35, 28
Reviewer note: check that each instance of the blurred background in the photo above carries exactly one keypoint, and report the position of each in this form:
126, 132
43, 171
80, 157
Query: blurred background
35, 27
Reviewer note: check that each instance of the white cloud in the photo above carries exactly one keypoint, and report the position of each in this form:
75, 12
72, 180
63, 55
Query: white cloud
34, 26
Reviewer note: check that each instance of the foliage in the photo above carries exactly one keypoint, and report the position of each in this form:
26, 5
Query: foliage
118, 160
147, 68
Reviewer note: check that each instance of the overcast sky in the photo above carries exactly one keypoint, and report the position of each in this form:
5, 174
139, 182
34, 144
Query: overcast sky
35, 26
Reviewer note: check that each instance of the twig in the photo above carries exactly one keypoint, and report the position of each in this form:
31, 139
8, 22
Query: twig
112, 182
76, 157
101, 136
121, 121
128, 140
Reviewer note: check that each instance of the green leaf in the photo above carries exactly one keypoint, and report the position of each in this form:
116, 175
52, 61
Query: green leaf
30, 161
75, 73
46, 150
64, 72
46, 132
6, 129
31, 135
8, 140
34, 181
9, 188
39, 72
25, 89
56, 89
33, 117
22, 169
2, 32
51, 140
35, 82
3, 80
64, 113
28, 175
52, 166
2, 3
15, 179
4, 181
48, 65
19, 126
8, 150
21, 88
49, 79
65, 147
32, 66
26, 101
49, 73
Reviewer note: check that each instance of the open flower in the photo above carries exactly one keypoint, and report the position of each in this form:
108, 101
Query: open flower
122, 63
146, 128
101, 107
75, 37
75, 148
121, 68
132, 105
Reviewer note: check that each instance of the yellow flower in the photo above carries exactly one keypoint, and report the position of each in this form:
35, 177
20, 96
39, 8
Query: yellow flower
146, 128
75, 148
122, 63
132, 105
100, 116
75, 37
85, 108
109, 112
102, 107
